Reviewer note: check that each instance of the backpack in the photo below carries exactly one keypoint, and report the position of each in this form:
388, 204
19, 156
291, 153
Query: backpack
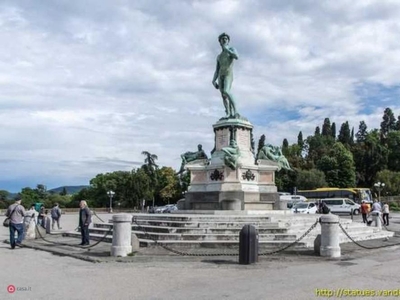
325, 209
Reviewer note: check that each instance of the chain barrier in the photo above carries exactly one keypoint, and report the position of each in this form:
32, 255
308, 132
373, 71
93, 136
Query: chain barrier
94, 213
362, 246
218, 254
295, 242
73, 245
181, 253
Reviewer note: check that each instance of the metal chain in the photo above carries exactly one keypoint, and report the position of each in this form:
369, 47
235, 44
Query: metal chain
219, 254
291, 244
94, 213
177, 251
362, 246
72, 245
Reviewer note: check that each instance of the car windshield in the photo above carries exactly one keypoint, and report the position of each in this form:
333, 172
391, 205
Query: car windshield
301, 205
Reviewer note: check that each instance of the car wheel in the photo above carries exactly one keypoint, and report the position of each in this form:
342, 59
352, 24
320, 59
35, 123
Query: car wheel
356, 212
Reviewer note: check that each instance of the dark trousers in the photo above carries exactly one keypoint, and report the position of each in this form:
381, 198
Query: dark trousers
18, 228
85, 234
385, 219
364, 216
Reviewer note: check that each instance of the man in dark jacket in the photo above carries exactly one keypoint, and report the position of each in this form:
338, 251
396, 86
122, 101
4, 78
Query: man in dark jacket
85, 218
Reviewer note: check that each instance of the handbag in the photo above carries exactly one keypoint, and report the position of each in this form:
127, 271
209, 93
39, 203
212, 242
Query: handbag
7, 221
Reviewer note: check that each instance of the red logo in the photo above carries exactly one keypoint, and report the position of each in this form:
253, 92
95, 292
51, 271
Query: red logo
11, 289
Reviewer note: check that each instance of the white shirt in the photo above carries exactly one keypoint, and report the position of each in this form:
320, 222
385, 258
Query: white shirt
385, 209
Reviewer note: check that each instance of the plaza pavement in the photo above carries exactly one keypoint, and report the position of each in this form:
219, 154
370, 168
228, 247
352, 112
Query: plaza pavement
159, 275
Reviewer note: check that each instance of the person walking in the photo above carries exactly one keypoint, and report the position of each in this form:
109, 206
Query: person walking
55, 216
41, 216
16, 213
364, 211
385, 212
85, 218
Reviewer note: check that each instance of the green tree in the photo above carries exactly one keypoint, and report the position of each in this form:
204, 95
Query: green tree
338, 167
310, 179
388, 124
393, 147
326, 128
391, 180
362, 132
344, 134
370, 157
285, 147
168, 185
333, 130
300, 142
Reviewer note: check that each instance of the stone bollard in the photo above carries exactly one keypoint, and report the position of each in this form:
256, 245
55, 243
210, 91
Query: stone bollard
121, 240
330, 236
47, 222
376, 218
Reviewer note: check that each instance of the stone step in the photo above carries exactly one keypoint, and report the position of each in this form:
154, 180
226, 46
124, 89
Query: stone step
202, 218
202, 224
270, 228
194, 244
199, 236
263, 245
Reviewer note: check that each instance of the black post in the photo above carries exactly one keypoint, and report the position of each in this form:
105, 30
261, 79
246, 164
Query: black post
248, 245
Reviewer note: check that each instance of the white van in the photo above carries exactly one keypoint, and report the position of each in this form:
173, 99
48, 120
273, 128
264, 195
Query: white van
292, 199
342, 205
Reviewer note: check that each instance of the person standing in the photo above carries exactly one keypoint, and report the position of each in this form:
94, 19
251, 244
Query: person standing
385, 212
42, 213
55, 216
85, 218
16, 213
364, 211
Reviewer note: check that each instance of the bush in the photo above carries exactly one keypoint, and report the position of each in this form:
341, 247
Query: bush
393, 206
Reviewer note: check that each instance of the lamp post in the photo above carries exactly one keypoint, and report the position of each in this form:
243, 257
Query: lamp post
379, 186
111, 195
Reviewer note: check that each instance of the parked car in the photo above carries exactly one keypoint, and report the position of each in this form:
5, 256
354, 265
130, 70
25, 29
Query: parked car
305, 208
165, 209
342, 205
170, 208
292, 199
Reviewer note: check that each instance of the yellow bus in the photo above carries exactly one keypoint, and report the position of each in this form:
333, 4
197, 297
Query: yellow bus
355, 194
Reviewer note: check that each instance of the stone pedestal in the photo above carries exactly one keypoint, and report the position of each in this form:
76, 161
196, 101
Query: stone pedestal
215, 186
121, 240
330, 246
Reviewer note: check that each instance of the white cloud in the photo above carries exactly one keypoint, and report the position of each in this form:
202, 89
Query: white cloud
87, 86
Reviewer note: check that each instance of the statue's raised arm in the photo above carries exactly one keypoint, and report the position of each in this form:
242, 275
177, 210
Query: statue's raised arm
223, 75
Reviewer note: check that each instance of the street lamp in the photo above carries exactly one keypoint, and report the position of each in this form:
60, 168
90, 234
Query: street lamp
111, 195
379, 186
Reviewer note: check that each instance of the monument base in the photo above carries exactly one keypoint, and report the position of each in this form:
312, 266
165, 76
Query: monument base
234, 200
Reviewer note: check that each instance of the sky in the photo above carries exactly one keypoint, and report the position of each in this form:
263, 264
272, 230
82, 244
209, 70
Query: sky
86, 86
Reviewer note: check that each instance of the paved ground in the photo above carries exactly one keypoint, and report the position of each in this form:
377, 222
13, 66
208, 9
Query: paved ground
294, 275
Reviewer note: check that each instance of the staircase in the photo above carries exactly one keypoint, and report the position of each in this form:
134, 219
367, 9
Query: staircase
197, 231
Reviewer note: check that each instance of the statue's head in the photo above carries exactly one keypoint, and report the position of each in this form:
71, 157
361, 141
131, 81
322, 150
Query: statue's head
223, 36
199, 146
233, 143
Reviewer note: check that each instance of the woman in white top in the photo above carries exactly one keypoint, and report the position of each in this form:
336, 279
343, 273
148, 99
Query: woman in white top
385, 212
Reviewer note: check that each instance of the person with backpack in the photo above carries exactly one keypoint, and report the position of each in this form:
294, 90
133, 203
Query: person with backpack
55, 216
16, 213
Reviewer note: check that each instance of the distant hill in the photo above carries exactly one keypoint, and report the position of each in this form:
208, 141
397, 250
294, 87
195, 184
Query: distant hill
72, 189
